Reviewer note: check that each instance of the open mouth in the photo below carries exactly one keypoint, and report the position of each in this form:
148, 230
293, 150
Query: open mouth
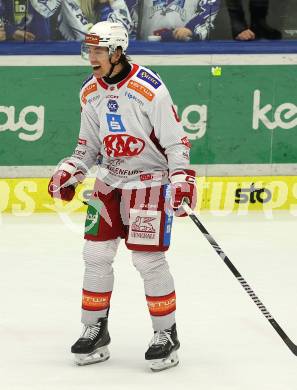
96, 67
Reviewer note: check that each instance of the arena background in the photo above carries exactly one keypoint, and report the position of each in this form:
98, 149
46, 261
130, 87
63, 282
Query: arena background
235, 100
282, 16
238, 104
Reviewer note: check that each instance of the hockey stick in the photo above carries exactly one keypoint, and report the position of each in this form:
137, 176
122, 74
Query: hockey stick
241, 280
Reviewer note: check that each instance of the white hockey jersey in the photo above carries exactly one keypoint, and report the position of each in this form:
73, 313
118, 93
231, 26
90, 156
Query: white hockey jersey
134, 129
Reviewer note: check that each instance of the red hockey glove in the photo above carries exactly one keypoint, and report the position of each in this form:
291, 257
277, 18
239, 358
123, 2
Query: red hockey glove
63, 182
183, 186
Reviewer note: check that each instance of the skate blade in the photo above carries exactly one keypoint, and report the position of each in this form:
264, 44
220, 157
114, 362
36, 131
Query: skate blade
98, 356
165, 363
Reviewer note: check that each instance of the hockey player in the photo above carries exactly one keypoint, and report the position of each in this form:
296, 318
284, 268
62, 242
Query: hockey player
129, 121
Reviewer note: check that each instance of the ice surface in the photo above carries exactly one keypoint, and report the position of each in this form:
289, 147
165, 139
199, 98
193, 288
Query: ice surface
226, 343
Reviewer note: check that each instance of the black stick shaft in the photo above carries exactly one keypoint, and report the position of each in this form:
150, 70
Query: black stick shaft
241, 280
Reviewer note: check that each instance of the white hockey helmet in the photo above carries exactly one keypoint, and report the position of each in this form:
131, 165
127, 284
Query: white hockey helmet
108, 34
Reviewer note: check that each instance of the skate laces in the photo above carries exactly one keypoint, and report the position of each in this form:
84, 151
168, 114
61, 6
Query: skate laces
161, 337
91, 331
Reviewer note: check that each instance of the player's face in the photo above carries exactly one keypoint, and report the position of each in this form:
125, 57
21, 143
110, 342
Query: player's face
99, 59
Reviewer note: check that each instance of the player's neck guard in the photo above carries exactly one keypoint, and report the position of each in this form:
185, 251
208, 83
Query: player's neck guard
120, 76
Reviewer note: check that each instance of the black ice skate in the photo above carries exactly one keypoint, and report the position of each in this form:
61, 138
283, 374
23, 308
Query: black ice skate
91, 347
162, 349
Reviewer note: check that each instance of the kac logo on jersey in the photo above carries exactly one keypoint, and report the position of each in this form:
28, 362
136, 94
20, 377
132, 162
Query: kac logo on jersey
123, 145
149, 78
115, 124
112, 105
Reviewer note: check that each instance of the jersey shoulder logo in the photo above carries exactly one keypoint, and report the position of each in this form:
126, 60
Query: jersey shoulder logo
142, 89
149, 78
87, 91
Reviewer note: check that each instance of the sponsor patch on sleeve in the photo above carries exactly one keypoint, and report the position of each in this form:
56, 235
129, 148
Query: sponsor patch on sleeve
82, 141
87, 91
149, 78
140, 88
186, 142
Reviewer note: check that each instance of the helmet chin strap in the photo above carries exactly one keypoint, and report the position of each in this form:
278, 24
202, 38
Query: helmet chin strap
111, 70
112, 66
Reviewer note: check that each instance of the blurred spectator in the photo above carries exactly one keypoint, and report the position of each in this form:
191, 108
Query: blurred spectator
112, 10
173, 19
2, 32
258, 28
69, 20
2, 25
21, 22
75, 17
43, 20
